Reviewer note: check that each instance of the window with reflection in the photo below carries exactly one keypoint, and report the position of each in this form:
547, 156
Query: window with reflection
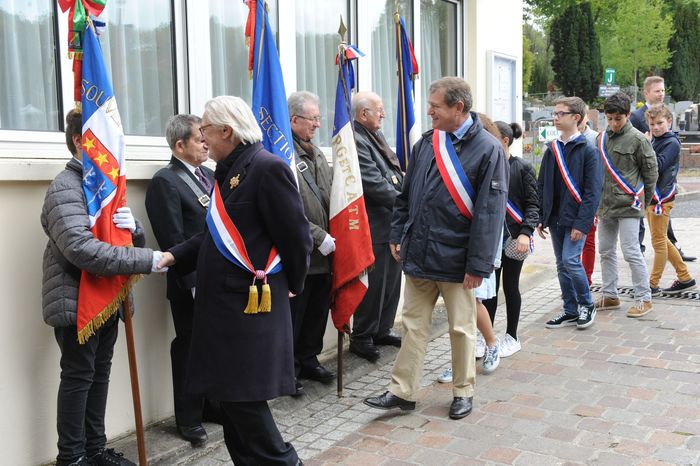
229, 53
317, 42
438, 45
27, 50
384, 65
139, 55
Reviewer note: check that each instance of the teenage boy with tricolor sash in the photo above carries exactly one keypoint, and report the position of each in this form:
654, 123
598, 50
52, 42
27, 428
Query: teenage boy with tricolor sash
628, 187
668, 150
569, 185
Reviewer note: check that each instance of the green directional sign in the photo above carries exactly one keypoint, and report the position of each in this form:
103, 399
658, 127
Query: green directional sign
547, 133
609, 76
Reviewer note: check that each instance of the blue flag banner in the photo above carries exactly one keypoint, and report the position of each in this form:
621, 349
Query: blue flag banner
407, 131
269, 97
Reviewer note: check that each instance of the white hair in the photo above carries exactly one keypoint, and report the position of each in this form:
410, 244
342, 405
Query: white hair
363, 100
232, 111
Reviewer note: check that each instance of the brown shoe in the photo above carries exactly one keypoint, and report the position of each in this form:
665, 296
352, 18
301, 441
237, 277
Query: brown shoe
606, 303
639, 309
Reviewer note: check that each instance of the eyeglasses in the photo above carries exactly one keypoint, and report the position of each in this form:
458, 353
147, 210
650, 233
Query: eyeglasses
204, 127
561, 114
379, 111
316, 119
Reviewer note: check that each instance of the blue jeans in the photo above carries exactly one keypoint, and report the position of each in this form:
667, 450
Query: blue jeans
572, 276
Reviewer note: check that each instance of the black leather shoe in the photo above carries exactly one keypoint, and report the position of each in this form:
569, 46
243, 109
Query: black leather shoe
318, 373
460, 407
365, 350
298, 388
390, 339
389, 401
685, 257
196, 435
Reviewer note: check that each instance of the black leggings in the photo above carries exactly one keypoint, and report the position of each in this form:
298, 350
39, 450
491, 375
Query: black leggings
510, 268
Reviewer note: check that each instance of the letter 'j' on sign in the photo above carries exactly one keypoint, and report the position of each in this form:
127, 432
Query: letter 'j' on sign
609, 76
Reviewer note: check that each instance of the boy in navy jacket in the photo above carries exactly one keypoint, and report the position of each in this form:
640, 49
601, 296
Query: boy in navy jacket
569, 186
667, 148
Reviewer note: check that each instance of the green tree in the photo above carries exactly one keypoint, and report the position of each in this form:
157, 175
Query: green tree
576, 61
636, 39
542, 74
683, 76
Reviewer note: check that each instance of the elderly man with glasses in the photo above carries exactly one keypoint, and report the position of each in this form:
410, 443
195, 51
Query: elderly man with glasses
310, 307
381, 183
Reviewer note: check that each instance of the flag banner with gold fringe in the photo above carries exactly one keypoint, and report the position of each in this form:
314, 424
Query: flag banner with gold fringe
407, 130
269, 97
348, 218
104, 186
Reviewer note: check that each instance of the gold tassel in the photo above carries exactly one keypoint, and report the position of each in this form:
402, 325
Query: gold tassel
252, 307
266, 300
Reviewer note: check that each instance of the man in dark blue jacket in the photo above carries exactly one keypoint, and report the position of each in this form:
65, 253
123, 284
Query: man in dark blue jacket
452, 201
569, 185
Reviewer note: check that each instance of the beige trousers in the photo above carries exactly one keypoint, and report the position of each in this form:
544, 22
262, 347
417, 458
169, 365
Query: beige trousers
419, 301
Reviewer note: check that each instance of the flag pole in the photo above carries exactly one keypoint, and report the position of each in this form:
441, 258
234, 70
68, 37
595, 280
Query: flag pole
341, 339
341, 56
402, 102
133, 372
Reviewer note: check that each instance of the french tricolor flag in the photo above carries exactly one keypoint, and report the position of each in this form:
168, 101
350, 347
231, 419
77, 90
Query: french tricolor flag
348, 217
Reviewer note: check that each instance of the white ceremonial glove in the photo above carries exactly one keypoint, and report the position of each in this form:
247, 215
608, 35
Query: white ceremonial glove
124, 219
193, 290
157, 256
328, 245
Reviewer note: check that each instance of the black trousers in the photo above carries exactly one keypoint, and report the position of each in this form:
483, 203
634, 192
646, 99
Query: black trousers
375, 315
82, 393
309, 317
188, 408
252, 437
510, 270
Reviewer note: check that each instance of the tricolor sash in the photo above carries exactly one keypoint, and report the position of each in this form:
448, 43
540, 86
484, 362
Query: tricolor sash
660, 201
517, 216
617, 176
452, 173
564, 171
230, 244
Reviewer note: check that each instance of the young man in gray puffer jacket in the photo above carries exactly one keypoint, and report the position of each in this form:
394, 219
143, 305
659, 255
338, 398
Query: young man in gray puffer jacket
85, 369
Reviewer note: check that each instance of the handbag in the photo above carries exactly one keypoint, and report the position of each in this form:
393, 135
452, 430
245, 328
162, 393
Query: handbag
509, 249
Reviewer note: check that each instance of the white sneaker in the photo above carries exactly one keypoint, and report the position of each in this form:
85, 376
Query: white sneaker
491, 359
446, 376
508, 346
480, 346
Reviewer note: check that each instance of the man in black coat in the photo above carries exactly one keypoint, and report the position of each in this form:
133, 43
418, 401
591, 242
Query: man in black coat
310, 307
241, 351
381, 183
176, 202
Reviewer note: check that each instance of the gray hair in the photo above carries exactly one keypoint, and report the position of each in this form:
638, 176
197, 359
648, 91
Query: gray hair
179, 127
297, 100
232, 111
362, 100
455, 89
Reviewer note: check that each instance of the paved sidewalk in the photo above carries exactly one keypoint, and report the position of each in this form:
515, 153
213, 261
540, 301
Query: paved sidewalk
623, 392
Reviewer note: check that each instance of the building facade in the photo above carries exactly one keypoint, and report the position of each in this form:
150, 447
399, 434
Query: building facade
171, 56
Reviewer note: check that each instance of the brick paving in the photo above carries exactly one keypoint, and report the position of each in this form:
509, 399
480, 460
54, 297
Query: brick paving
622, 392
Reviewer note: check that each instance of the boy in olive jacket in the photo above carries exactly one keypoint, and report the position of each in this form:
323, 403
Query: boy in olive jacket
628, 187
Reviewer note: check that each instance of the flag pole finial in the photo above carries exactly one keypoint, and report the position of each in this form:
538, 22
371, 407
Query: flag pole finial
342, 29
